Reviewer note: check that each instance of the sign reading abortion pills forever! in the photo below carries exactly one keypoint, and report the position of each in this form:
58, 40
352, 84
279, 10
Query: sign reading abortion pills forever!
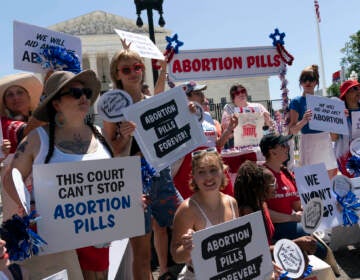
88, 202
237, 249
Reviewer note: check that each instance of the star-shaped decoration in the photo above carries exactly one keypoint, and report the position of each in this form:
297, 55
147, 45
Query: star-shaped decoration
277, 37
170, 41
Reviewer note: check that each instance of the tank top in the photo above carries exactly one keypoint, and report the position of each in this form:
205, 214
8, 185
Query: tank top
59, 156
208, 223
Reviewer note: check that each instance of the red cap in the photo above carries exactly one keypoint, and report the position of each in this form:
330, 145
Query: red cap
345, 86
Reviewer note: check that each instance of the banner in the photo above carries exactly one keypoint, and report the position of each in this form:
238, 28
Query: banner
237, 249
89, 202
212, 64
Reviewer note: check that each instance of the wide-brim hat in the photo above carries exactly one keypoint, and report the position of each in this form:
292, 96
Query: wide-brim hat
270, 141
28, 81
59, 80
346, 86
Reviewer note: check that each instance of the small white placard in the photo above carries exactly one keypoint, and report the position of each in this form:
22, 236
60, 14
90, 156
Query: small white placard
237, 249
141, 44
166, 130
21, 189
327, 114
312, 215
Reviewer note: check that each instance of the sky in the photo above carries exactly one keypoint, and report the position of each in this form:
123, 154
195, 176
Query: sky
209, 24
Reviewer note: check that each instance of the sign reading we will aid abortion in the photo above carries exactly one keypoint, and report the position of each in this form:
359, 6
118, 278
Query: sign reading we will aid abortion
237, 249
89, 202
31, 40
313, 181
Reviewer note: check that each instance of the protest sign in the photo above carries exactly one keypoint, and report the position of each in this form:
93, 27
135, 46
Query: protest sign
237, 249
212, 64
21, 189
327, 114
31, 40
141, 44
312, 214
290, 258
249, 129
88, 202
166, 130
355, 124
313, 181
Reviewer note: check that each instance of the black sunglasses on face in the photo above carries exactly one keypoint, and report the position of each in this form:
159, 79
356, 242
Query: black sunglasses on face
77, 92
305, 79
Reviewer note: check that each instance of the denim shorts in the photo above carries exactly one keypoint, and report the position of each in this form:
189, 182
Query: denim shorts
164, 200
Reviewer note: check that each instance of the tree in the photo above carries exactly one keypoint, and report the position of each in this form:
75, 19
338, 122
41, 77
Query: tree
334, 89
351, 61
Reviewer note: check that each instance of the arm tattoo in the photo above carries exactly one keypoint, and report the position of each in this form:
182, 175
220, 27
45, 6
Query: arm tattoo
76, 146
21, 148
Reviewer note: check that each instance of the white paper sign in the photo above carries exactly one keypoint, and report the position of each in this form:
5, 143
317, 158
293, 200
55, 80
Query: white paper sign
312, 215
21, 189
31, 40
237, 249
290, 258
141, 44
61, 275
355, 124
249, 129
166, 130
327, 114
313, 181
89, 202
212, 64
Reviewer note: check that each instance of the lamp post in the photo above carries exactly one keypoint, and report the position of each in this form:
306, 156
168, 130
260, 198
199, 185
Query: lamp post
150, 5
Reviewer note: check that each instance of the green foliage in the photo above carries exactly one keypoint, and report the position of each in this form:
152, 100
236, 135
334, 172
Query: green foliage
351, 61
334, 89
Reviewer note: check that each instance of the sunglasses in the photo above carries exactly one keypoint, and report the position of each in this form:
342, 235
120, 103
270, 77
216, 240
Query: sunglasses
201, 152
137, 68
240, 91
305, 79
77, 92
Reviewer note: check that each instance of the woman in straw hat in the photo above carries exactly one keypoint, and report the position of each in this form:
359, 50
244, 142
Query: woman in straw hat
66, 138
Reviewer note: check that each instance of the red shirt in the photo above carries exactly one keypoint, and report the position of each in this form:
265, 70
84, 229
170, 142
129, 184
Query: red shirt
285, 194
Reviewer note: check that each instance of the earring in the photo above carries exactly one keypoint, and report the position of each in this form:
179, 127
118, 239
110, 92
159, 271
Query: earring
59, 119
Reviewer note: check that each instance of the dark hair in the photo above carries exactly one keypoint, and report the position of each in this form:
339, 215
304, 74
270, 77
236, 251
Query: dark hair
52, 125
310, 71
233, 88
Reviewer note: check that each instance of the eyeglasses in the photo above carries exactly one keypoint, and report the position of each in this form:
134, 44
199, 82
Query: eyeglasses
305, 79
240, 91
137, 68
201, 152
77, 92
273, 185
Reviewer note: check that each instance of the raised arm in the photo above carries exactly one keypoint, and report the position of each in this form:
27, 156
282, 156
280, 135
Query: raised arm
118, 135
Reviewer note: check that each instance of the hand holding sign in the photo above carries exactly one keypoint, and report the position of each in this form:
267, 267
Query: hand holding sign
21, 189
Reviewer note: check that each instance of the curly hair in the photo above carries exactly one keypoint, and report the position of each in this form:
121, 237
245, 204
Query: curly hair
122, 55
195, 161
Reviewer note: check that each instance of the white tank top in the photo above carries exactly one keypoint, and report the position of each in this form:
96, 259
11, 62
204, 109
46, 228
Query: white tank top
59, 156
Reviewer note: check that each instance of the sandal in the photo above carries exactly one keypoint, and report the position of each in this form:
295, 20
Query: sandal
167, 276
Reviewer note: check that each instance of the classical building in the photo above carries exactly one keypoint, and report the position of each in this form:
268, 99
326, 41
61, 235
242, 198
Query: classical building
100, 42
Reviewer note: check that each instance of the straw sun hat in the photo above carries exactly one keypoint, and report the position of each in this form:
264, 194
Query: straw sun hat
27, 81
59, 80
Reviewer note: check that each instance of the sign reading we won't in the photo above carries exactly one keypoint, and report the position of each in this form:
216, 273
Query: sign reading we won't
237, 249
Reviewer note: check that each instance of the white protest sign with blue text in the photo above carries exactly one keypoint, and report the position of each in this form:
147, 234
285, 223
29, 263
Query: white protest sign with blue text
237, 249
313, 181
166, 130
89, 202
31, 40
141, 44
327, 114
355, 124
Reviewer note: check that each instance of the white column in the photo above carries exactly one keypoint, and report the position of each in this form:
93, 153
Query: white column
93, 66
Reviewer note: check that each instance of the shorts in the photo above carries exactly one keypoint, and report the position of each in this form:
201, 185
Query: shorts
164, 200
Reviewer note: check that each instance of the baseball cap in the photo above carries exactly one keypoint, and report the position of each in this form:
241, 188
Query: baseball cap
192, 86
269, 141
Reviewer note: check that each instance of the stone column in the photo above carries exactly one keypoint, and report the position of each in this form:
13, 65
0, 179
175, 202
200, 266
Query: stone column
93, 66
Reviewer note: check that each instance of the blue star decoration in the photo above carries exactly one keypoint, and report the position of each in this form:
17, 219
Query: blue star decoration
170, 41
277, 37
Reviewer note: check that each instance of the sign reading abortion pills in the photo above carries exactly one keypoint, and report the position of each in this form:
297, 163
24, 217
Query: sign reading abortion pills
88, 202
237, 249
